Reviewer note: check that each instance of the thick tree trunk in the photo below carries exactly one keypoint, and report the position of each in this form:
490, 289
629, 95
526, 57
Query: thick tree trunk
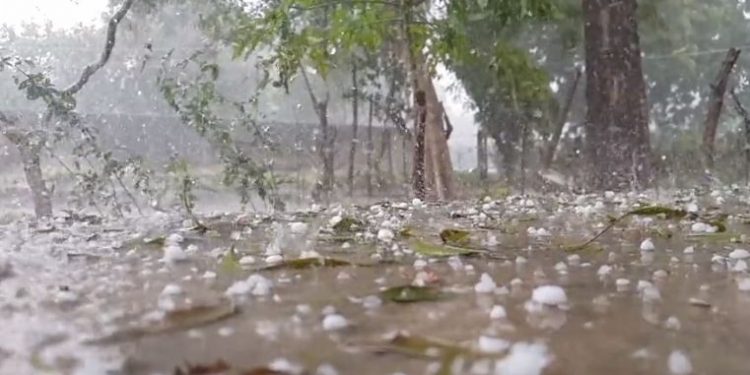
355, 126
718, 88
617, 112
549, 155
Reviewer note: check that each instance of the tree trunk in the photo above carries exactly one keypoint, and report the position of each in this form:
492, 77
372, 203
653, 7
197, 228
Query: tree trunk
30, 150
549, 155
617, 135
420, 125
370, 149
328, 139
355, 126
718, 88
746, 125
482, 155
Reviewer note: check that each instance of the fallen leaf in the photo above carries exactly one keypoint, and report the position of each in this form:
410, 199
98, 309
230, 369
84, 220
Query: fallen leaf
455, 237
410, 293
348, 225
218, 367
304, 263
669, 213
431, 250
173, 321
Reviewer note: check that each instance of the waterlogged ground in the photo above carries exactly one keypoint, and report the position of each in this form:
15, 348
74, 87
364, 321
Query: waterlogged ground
507, 290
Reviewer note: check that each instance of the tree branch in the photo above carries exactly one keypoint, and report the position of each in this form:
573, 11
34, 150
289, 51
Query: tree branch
108, 47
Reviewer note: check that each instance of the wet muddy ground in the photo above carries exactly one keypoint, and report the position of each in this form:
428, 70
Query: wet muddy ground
506, 290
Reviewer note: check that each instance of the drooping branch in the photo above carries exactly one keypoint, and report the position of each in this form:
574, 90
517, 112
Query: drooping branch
109, 45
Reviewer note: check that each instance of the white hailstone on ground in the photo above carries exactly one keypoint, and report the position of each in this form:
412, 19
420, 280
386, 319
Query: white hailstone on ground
326, 369
335, 220
385, 235
225, 331
346, 245
692, 207
740, 266
604, 270
65, 297
416, 202
235, 236
516, 283
371, 302
699, 227
492, 240
679, 363
739, 254
485, 284
334, 322
492, 345
609, 194
622, 283
672, 323
660, 274
238, 288
520, 260
744, 285
647, 245
716, 258
259, 285
455, 263
298, 227
209, 275
303, 309
574, 259
561, 267
173, 253
309, 254
420, 264
524, 359
192, 248
551, 295
171, 290
498, 312
174, 239
247, 260
650, 294
274, 259
284, 366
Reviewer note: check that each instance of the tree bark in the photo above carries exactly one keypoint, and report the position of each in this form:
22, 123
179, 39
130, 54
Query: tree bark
418, 170
482, 155
30, 148
617, 137
746, 123
549, 155
370, 149
718, 88
355, 126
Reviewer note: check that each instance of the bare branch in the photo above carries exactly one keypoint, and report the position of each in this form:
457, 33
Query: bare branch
109, 45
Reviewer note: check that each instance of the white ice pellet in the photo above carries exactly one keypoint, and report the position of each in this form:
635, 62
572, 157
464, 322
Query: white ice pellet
689, 250
740, 266
171, 290
604, 270
672, 323
247, 260
498, 312
485, 284
385, 235
298, 227
334, 322
492, 345
551, 295
679, 363
173, 253
739, 254
274, 259
744, 285
647, 245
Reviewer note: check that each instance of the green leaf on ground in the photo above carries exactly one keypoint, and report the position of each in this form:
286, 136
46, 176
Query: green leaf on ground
409, 294
348, 225
305, 263
432, 250
669, 213
455, 237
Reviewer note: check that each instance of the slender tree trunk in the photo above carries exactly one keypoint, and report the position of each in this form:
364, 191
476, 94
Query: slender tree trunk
617, 112
746, 126
370, 149
355, 126
327, 149
482, 155
524, 147
30, 151
549, 155
718, 88
418, 170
